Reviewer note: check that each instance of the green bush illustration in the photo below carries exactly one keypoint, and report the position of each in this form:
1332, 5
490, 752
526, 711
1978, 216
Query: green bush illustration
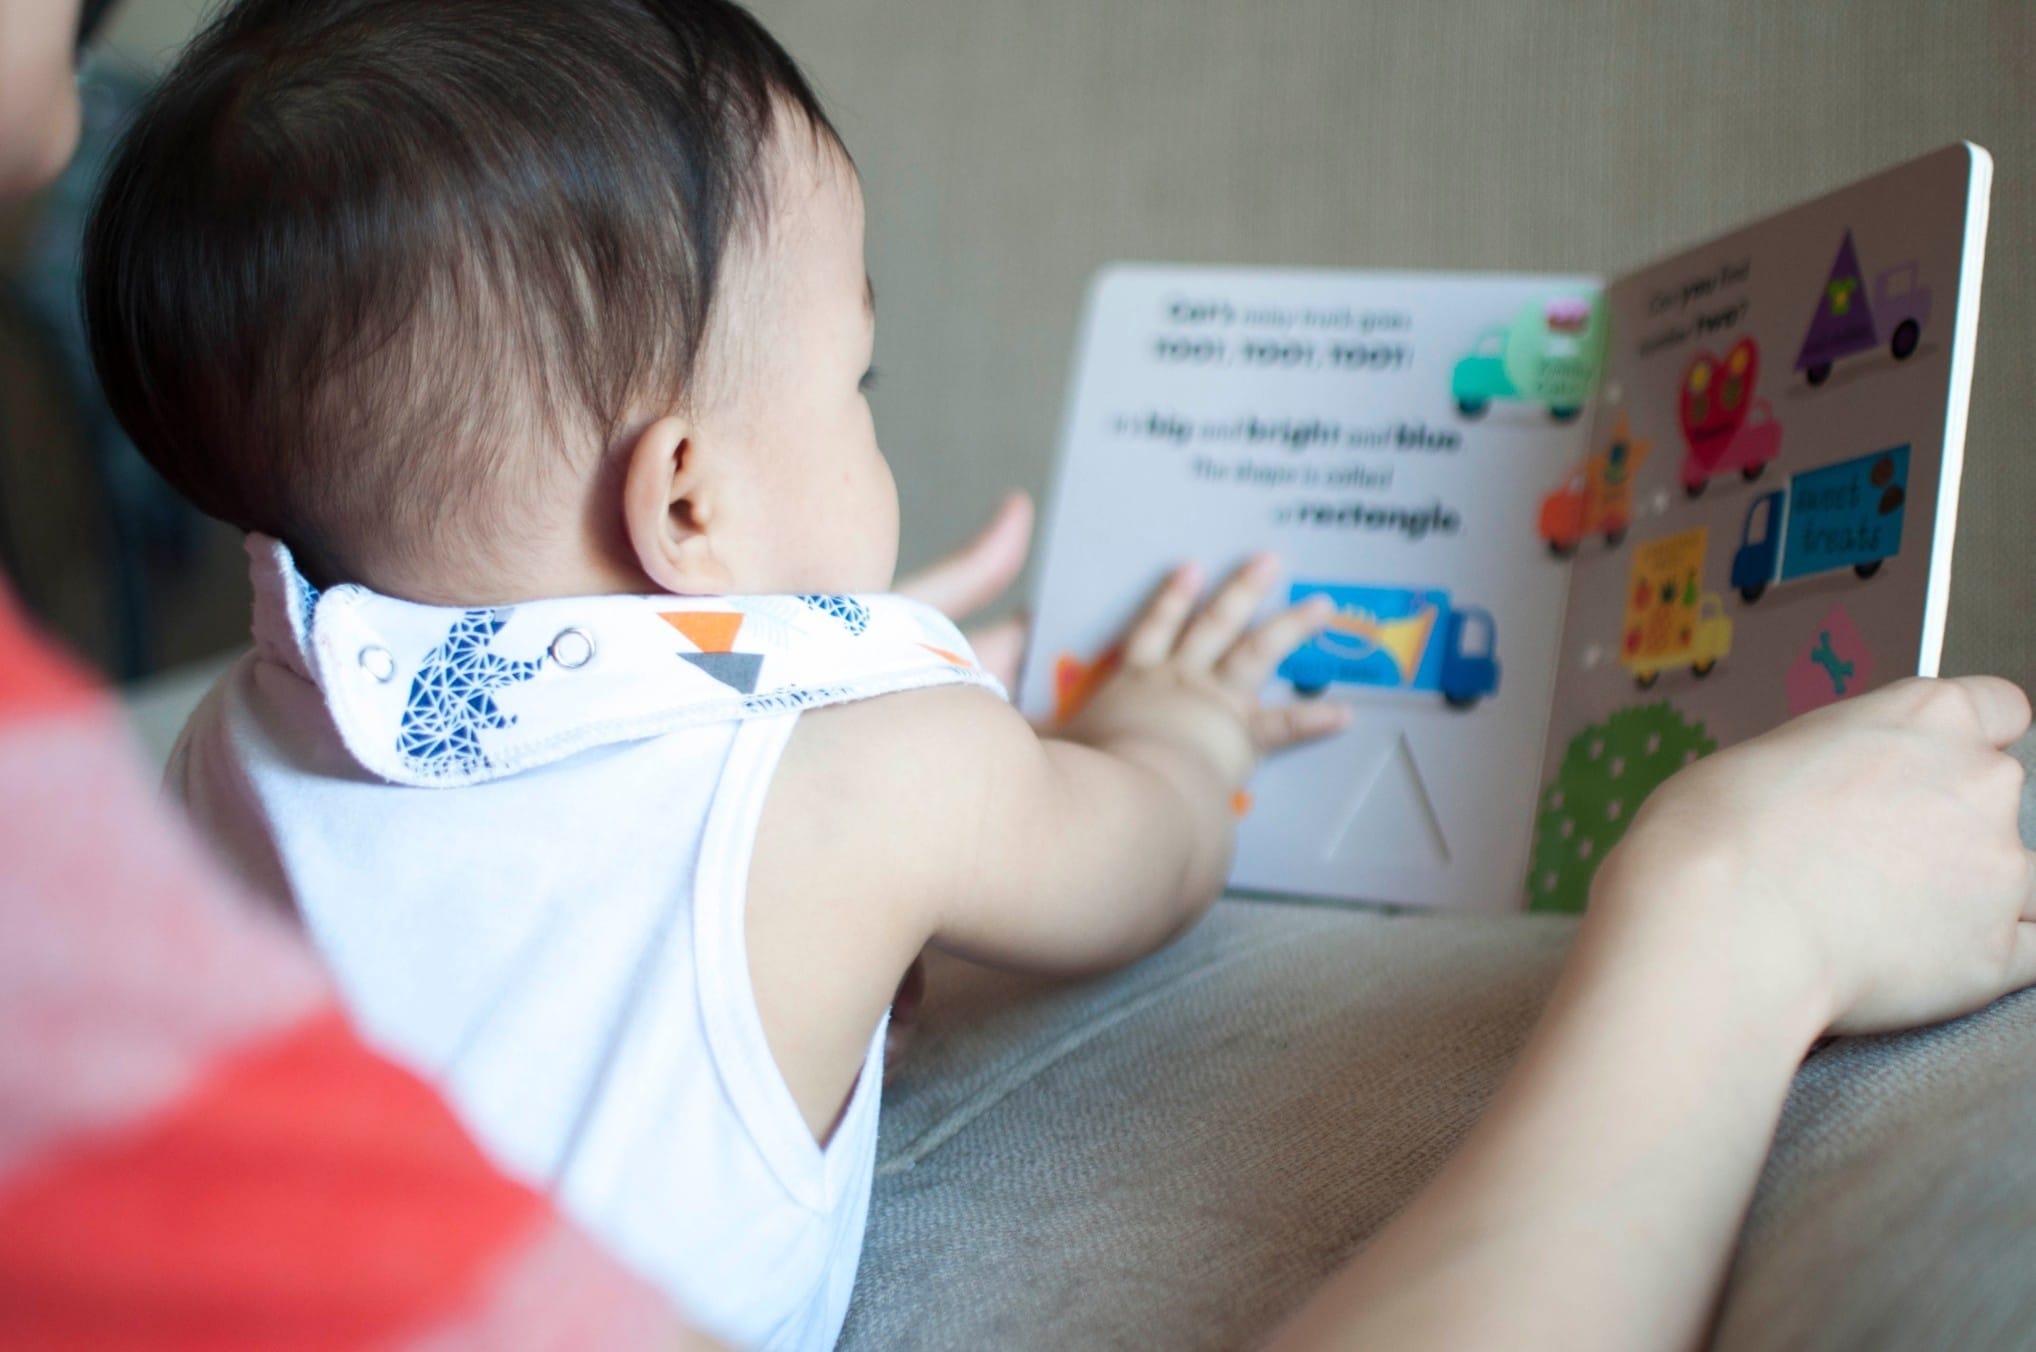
1607, 772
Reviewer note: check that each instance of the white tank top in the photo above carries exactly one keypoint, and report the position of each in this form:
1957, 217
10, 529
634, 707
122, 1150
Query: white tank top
521, 838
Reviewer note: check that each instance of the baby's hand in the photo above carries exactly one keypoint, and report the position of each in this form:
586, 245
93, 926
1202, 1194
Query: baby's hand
1866, 857
1190, 679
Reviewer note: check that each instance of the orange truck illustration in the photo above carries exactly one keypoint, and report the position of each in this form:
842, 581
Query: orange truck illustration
1671, 622
1597, 499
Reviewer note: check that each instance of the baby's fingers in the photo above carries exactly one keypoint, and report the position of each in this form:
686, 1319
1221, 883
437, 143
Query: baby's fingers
1966, 707
1210, 634
1282, 725
2000, 707
1151, 638
1252, 658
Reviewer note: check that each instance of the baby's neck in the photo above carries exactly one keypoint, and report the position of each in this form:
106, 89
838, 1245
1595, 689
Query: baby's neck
536, 573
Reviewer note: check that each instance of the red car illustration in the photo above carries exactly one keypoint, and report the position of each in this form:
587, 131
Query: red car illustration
1724, 426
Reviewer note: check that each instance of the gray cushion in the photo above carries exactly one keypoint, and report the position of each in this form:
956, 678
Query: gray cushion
1176, 1155
1898, 1209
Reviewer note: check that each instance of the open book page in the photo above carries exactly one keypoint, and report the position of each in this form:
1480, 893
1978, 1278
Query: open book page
1379, 431
1788, 404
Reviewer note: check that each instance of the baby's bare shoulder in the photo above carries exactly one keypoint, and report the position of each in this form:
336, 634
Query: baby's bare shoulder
875, 817
870, 824
900, 788
894, 740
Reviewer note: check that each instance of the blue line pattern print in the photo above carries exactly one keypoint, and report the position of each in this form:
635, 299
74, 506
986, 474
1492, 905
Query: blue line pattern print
847, 609
452, 699
307, 595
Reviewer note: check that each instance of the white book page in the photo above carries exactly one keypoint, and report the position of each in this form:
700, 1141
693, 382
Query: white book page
1380, 432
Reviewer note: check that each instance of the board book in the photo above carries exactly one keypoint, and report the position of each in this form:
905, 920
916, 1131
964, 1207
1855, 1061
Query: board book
1579, 531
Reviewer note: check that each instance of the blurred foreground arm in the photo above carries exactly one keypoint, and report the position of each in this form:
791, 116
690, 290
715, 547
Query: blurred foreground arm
196, 1149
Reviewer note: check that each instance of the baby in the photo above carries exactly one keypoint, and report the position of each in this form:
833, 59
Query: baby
530, 342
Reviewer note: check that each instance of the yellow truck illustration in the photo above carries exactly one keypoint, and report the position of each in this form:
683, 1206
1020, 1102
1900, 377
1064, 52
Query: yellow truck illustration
1671, 621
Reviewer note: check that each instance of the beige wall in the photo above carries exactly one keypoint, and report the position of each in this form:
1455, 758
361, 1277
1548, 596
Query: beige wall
150, 31
1011, 148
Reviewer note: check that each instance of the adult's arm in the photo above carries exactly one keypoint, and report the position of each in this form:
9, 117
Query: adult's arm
965, 582
1595, 1204
196, 1148
39, 115
1857, 870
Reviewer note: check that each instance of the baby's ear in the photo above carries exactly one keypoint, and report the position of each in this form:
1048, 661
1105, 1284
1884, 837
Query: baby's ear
667, 509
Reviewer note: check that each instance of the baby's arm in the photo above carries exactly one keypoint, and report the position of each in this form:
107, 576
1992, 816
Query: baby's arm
1854, 871
942, 816
1089, 849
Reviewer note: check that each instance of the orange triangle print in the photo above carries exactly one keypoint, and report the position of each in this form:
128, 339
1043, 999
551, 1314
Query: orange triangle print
712, 631
952, 659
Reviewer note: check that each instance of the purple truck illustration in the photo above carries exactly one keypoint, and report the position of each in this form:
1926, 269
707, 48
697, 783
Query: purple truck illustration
1848, 321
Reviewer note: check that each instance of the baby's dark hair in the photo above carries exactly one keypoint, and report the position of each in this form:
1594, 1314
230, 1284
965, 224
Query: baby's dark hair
353, 249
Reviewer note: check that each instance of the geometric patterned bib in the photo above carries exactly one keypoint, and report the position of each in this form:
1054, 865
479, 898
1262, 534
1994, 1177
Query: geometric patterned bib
444, 696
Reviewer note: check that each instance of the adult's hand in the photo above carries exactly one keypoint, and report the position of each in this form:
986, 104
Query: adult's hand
976, 574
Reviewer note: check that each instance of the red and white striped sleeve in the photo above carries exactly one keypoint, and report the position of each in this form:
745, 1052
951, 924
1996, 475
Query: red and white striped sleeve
195, 1148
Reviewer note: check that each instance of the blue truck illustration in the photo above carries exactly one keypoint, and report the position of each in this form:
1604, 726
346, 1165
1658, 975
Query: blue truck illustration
1397, 638
1847, 515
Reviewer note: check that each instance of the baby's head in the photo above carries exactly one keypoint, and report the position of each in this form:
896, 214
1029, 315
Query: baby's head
477, 301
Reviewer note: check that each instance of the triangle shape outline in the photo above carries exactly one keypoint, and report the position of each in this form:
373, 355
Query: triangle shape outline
1410, 774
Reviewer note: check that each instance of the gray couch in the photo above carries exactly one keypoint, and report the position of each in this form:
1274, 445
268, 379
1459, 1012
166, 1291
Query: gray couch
1175, 1156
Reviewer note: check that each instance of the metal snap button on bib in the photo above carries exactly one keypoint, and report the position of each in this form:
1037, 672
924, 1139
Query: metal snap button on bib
378, 663
572, 649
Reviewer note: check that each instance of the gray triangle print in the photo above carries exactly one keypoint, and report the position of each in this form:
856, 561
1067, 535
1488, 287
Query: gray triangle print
736, 670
